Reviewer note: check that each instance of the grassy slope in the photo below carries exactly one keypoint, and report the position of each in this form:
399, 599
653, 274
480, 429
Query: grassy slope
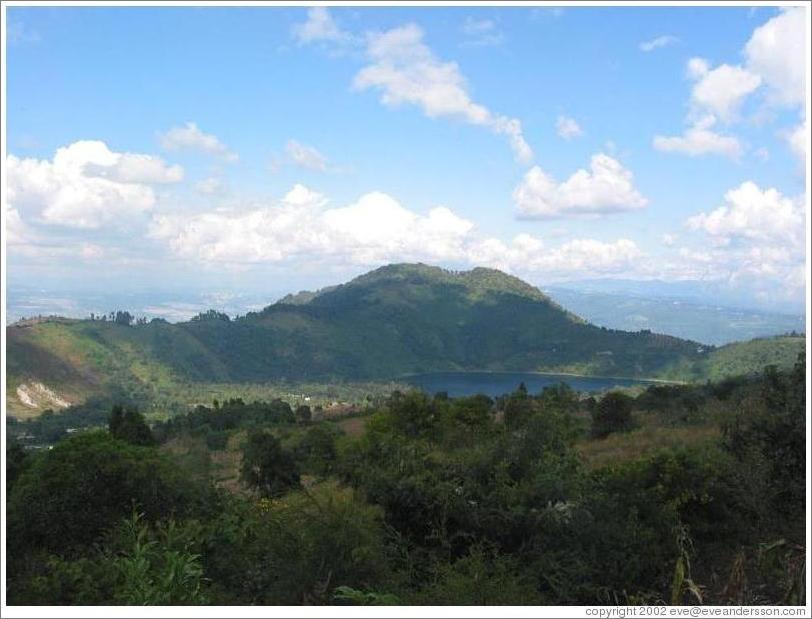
648, 439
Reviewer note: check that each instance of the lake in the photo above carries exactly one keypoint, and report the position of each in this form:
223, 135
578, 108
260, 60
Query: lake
499, 383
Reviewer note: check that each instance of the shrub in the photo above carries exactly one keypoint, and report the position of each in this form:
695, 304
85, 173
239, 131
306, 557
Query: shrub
72, 493
613, 414
266, 466
130, 426
217, 440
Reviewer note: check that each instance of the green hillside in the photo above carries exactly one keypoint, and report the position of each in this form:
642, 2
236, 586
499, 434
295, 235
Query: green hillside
392, 321
742, 358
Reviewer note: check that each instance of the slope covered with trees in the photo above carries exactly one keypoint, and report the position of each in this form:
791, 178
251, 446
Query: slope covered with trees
393, 321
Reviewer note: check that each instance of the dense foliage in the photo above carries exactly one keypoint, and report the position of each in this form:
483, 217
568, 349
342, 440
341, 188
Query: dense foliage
436, 500
129, 425
267, 467
612, 414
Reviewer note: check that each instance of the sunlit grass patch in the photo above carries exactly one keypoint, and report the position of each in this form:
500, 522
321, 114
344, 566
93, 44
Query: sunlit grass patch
621, 447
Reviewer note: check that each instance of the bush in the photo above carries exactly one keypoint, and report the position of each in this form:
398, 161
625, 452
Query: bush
69, 495
317, 448
16, 461
217, 440
297, 549
613, 414
303, 414
58, 581
769, 433
482, 578
130, 426
156, 567
266, 466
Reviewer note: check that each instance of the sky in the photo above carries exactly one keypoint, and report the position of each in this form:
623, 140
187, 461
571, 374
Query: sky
266, 150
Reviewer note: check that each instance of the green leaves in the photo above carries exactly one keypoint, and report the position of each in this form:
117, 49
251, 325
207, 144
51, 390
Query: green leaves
613, 414
266, 466
152, 571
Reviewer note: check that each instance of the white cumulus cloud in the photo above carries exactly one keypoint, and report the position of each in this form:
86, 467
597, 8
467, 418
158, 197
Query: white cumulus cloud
135, 168
86, 185
302, 228
190, 137
530, 256
774, 66
481, 32
753, 214
776, 51
568, 128
210, 186
798, 140
669, 240
607, 187
700, 139
720, 91
306, 156
320, 26
406, 71
16, 232
373, 230
658, 42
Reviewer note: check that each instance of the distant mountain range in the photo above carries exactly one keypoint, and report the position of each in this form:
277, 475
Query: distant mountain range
681, 316
709, 293
398, 319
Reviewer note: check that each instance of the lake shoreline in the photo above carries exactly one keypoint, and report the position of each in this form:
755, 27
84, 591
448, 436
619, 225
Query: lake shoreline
570, 374
495, 384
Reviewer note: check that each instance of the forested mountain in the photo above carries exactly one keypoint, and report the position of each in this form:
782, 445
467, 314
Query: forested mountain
392, 321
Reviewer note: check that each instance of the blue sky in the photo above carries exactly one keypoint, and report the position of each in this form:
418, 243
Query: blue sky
274, 149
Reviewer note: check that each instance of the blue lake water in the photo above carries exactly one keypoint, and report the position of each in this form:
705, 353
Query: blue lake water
499, 383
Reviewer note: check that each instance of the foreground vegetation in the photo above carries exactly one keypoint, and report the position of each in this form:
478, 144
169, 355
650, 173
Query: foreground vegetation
683, 494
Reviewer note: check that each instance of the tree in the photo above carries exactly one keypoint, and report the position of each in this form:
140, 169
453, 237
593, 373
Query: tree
613, 414
560, 397
211, 315
413, 412
122, 318
769, 432
318, 448
16, 461
518, 408
277, 411
303, 414
473, 412
70, 494
130, 426
266, 466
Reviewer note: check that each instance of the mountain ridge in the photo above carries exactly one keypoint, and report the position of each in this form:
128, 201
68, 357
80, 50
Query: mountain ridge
486, 278
392, 321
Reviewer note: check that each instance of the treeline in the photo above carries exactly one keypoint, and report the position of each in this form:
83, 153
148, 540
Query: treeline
124, 317
215, 422
438, 501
